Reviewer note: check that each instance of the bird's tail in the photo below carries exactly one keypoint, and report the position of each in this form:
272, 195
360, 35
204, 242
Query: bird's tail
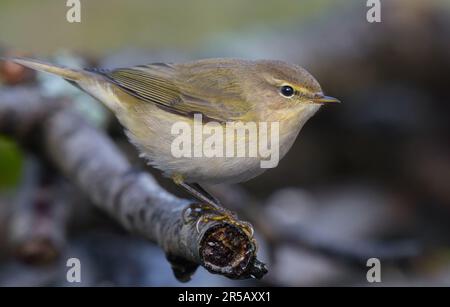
66, 73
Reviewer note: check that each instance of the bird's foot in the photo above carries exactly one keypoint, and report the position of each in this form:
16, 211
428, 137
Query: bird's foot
204, 213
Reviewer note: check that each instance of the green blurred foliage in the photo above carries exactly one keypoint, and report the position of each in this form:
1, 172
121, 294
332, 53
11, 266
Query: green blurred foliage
41, 26
10, 163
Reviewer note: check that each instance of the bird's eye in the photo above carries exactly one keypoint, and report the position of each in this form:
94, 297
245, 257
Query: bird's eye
287, 91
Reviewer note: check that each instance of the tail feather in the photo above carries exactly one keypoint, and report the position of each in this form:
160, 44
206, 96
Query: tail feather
88, 81
66, 73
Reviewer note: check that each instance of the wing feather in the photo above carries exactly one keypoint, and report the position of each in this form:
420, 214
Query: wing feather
210, 91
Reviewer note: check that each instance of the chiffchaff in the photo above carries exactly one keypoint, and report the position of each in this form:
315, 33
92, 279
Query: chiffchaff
149, 99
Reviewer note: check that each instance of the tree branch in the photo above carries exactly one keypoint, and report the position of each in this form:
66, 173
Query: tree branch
89, 158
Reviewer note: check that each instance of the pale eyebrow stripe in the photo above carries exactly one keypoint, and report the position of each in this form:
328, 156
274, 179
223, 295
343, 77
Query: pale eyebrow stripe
302, 90
297, 88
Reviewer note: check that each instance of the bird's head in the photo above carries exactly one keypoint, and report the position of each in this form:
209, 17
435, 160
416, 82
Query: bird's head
286, 85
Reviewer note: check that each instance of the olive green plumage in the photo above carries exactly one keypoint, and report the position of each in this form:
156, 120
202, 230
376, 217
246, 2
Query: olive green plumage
148, 99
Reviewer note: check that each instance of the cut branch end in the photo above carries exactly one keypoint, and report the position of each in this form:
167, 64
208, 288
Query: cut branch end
228, 250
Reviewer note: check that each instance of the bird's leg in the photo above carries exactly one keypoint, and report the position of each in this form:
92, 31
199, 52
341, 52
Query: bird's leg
201, 194
215, 211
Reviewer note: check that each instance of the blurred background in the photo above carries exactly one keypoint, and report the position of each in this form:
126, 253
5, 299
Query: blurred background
367, 178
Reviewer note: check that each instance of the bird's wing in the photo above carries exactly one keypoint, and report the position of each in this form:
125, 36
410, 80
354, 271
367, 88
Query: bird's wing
211, 91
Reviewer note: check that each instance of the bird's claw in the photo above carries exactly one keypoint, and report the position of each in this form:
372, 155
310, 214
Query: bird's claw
226, 216
204, 213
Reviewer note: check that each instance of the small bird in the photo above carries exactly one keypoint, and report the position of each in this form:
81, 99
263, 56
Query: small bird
149, 99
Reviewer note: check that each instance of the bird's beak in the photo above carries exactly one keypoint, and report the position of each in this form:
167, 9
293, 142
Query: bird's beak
322, 99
